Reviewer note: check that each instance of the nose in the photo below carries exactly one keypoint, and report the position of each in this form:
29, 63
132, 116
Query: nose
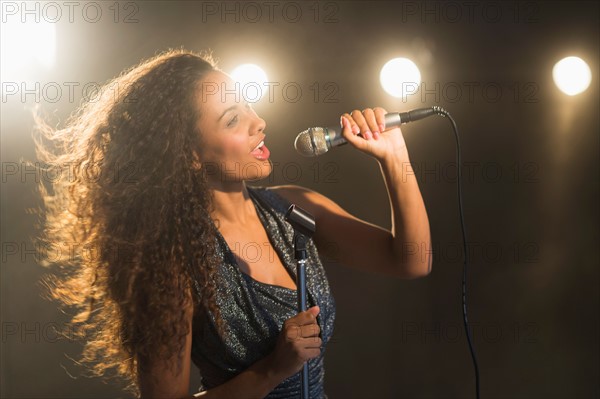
262, 125
259, 124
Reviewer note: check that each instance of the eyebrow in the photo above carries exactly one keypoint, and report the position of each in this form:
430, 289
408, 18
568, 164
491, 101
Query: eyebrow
226, 111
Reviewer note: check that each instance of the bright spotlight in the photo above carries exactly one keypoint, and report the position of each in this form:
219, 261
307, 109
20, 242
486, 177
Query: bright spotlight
400, 77
572, 75
252, 79
26, 43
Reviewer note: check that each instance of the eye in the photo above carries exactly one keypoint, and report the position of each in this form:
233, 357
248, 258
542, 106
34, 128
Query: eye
232, 121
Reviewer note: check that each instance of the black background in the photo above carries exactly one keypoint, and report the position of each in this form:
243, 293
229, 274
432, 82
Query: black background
530, 192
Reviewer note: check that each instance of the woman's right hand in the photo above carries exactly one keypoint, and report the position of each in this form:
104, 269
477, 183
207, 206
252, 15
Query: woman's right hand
297, 343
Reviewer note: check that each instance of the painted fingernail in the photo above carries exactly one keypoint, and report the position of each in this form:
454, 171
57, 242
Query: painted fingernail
345, 122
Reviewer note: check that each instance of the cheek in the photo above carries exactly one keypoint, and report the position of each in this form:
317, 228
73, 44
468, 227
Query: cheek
227, 148
235, 145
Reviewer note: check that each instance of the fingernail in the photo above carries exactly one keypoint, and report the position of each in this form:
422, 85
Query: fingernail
355, 129
376, 135
367, 135
381, 127
341, 121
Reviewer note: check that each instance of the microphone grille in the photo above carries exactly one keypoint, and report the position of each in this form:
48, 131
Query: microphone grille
311, 142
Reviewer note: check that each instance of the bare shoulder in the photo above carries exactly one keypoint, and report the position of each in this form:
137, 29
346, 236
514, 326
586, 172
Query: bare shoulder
310, 200
293, 192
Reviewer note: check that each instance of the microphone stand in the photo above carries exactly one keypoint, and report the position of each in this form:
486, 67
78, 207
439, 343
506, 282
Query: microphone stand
304, 227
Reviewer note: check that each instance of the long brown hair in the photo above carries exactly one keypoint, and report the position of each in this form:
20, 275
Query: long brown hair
133, 200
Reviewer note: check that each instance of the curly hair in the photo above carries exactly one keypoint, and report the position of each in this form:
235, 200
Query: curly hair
141, 211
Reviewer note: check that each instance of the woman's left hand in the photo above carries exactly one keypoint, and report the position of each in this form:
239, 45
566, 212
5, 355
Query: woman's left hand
365, 131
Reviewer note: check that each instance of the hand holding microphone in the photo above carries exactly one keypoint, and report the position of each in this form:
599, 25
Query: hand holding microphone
379, 131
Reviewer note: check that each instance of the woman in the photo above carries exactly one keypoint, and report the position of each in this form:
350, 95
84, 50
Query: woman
190, 263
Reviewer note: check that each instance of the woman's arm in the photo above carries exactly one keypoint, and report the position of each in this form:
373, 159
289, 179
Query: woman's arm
254, 382
160, 381
403, 252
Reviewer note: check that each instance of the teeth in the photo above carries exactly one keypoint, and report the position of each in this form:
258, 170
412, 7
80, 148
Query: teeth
259, 145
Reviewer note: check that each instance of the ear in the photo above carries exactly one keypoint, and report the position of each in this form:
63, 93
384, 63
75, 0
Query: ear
196, 164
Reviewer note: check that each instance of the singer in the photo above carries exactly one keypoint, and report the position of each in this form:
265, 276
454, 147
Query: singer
190, 263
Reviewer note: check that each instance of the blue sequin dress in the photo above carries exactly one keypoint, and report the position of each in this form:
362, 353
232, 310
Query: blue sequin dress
254, 312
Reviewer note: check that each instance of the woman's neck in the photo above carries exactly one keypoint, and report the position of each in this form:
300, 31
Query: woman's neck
232, 203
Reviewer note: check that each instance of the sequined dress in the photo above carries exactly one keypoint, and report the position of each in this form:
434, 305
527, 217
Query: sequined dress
254, 311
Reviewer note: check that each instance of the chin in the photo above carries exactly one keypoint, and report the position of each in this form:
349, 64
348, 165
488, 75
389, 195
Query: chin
257, 170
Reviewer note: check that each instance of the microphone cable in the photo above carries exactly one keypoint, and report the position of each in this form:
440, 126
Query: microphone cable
316, 141
442, 112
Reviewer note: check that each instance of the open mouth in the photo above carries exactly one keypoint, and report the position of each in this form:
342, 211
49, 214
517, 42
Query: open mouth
259, 146
261, 151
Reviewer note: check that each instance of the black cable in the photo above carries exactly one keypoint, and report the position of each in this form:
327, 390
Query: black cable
442, 112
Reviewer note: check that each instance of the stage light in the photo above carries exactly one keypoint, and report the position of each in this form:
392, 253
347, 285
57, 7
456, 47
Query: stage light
25, 44
400, 77
572, 75
252, 79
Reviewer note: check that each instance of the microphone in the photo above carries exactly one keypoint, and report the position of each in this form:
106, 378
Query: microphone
315, 141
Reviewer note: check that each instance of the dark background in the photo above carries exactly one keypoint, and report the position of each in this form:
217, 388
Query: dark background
530, 192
